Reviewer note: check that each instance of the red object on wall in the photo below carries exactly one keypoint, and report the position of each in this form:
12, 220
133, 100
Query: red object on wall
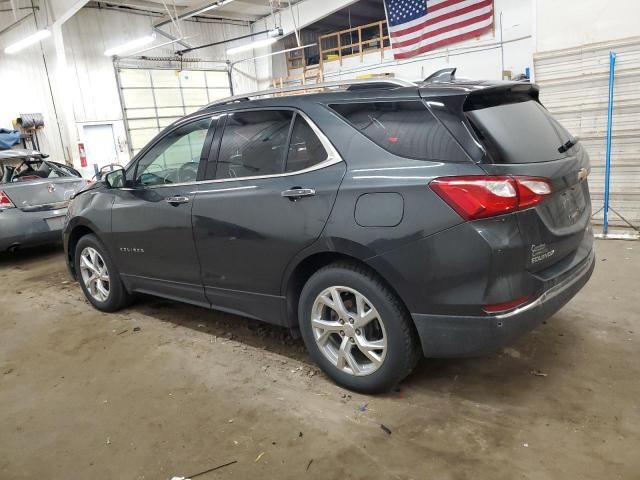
83, 155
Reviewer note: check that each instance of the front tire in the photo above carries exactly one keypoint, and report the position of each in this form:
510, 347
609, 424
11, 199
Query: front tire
356, 329
98, 275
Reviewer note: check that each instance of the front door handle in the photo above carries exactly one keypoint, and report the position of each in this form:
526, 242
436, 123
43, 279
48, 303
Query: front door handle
177, 199
297, 193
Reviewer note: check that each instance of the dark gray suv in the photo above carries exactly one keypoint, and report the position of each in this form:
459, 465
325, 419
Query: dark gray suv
385, 220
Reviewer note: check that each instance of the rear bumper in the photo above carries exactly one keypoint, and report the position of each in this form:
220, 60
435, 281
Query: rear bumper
24, 229
466, 336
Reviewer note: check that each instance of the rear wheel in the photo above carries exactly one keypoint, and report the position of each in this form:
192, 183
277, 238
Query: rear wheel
356, 328
98, 276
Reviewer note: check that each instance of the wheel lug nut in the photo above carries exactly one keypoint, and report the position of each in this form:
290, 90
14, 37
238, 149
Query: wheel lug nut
341, 322
342, 333
350, 320
357, 332
352, 340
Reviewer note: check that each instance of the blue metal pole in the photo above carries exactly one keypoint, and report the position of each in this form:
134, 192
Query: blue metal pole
607, 167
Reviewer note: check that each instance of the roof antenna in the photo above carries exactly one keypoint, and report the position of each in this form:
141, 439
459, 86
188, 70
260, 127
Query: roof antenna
445, 75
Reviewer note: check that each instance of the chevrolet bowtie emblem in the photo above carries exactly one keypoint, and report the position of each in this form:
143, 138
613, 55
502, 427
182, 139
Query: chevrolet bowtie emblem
582, 174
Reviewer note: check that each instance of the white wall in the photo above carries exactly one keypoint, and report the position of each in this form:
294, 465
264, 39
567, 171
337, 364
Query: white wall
92, 90
24, 85
478, 58
571, 23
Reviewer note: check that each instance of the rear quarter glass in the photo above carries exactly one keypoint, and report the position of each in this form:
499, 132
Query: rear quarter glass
405, 128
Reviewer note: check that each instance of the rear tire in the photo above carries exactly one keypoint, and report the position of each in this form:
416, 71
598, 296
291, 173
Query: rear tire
98, 276
356, 329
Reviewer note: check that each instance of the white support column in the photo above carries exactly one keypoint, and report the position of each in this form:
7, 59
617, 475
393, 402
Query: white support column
61, 85
63, 98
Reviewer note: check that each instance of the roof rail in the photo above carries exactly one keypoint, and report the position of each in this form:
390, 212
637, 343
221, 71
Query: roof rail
358, 84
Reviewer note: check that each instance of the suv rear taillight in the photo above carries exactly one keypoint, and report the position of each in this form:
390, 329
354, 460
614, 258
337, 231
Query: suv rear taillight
474, 197
5, 201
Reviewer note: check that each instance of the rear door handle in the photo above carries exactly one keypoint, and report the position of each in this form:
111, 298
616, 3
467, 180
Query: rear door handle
177, 199
297, 193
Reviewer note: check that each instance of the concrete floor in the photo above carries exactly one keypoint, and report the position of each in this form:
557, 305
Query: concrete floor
84, 395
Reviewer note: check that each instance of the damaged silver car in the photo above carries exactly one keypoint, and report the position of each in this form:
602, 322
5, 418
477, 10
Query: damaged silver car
34, 194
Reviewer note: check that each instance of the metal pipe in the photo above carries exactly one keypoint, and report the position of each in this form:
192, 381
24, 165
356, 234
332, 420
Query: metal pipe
501, 50
295, 25
230, 76
193, 13
275, 53
607, 168
15, 24
220, 42
171, 37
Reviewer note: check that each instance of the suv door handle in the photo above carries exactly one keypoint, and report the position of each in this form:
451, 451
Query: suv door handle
297, 193
176, 199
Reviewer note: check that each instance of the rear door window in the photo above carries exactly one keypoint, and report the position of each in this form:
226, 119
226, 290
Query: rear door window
267, 142
305, 148
405, 128
254, 143
517, 129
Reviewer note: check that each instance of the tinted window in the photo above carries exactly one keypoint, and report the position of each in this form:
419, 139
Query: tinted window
517, 130
407, 129
254, 143
175, 158
305, 149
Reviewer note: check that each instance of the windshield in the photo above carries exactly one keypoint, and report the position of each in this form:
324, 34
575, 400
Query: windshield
29, 170
518, 130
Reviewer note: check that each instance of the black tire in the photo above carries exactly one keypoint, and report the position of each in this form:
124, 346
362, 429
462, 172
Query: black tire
118, 297
403, 347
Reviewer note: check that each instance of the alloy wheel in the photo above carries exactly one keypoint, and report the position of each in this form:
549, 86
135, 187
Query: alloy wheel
95, 275
349, 330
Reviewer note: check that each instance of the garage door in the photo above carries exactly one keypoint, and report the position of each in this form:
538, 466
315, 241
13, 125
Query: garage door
153, 98
574, 86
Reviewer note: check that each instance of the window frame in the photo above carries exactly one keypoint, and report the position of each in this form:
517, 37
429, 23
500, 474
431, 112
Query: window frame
333, 157
132, 168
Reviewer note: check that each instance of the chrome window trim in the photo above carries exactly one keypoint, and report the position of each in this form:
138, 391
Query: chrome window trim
333, 158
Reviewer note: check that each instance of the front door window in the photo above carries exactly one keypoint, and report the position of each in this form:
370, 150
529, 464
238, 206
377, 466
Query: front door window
175, 158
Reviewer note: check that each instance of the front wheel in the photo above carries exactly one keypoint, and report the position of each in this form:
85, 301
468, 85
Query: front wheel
98, 276
356, 329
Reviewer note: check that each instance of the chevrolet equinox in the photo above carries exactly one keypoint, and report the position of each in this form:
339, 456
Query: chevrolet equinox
385, 220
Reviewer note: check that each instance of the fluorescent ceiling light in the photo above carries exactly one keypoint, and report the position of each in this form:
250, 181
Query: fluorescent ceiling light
253, 45
25, 42
206, 9
133, 44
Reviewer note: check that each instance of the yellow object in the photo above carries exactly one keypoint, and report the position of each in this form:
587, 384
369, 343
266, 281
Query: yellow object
364, 76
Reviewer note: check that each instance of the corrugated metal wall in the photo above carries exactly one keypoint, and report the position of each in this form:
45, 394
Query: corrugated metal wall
574, 86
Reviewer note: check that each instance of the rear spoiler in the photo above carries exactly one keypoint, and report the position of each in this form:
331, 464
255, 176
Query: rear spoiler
503, 92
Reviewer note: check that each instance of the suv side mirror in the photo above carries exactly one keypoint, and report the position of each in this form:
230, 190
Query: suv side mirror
115, 178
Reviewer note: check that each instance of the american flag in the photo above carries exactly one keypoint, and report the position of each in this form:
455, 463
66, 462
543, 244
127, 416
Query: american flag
418, 26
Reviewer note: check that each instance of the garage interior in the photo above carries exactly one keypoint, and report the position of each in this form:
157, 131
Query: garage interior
163, 389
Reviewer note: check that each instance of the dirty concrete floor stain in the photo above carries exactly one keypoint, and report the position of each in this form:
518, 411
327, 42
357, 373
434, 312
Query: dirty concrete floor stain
83, 395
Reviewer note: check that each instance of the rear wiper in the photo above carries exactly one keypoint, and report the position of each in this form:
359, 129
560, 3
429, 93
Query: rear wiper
570, 143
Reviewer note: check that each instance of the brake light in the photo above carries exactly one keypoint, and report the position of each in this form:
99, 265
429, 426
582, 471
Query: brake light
5, 201
475, 196
503, 307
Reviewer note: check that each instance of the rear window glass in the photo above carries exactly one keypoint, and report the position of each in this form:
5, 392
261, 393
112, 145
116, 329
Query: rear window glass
406, 129
519, 130
27, 170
